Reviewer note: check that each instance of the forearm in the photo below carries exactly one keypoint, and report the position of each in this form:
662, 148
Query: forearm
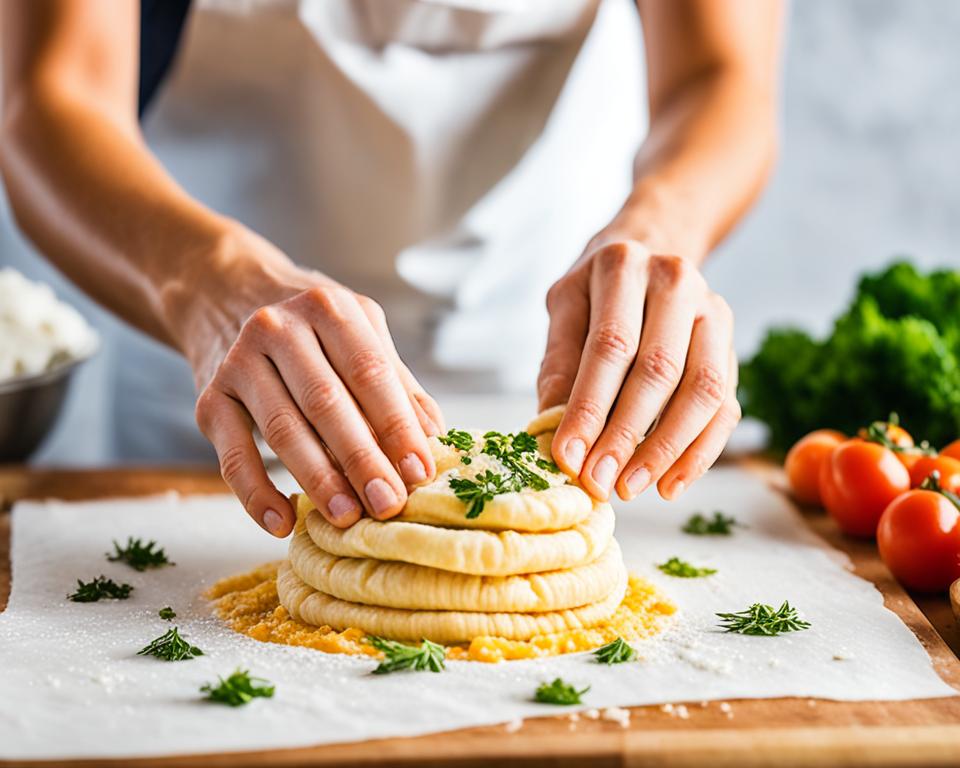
705, 159
88, 192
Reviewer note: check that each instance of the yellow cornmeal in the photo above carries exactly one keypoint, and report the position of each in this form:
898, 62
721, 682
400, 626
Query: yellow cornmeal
249, 604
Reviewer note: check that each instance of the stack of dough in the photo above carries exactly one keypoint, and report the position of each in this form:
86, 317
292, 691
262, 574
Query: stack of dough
533, 562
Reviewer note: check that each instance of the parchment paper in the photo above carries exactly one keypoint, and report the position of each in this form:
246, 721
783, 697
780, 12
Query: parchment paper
73, 686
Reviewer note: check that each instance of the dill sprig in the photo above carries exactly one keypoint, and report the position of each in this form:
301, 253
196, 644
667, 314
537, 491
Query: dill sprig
683, 570
718, 525
457, 438
100, 588
761, 619
477, 492
238, 689
559, 692
167, 614
138, 555
427, 657
170, 646
615, 652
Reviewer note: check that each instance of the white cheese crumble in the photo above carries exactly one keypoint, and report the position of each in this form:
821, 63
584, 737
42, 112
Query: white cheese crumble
617, 715
37, 331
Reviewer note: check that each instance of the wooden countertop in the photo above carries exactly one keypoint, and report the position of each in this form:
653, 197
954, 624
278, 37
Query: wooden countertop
785, 732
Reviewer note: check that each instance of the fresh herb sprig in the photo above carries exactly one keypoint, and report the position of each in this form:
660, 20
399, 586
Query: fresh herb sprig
684, 570
170, 646
167, 614
718, 525
516, 451
477, 492
559, 692
457, 438
238, 689
762, 619
616, 652
138, 555
427, 657
100, 588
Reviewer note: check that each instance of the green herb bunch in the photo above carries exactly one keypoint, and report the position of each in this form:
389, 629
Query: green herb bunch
761, 619
170, 646
616, 652
427, 657
683, 570
718, 525
895, 348
138, 555
238, 689
100, 588
559, 692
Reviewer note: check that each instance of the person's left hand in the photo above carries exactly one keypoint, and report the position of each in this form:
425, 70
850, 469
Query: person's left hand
641, 350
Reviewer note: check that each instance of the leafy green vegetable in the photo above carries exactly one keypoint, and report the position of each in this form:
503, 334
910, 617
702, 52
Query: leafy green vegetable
682, 569
238, 689
760, 619
718, 525
427, 657
457, 438
896, 348
170, 646
615, 652
138, 555
167, 614
101, 588
559, 692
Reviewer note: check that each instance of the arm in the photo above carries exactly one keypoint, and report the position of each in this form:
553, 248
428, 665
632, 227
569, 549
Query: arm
639, 347
306, 360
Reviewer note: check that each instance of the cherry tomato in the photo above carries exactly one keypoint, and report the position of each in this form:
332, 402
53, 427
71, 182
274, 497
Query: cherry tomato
857, 482
803, 463
919, 540
948, 468
910, 457
893, 432
952, 450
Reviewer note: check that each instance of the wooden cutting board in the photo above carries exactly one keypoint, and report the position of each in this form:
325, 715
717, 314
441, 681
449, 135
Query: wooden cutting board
784, 732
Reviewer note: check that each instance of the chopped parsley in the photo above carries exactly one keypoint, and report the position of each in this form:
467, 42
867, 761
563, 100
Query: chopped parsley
718, 525
761, 619
477, 492
238, 689
682, 569
138, 555
427, 657
616, 652
167, 614
101, 588
170, 646
457, 438
559, 692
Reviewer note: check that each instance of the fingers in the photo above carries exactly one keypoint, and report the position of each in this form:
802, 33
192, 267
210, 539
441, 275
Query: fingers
617, 288
357, 355
568, 303
706, 449
703, 391
654, 376
301, 402
226, 425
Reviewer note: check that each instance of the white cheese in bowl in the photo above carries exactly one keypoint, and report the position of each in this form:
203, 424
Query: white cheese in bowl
37, 331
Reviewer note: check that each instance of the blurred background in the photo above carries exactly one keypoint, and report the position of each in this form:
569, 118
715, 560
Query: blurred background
868, 171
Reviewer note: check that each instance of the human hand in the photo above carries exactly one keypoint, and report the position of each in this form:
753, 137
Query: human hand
312, 365
641, 350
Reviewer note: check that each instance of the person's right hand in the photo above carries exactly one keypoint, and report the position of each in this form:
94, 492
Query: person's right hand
311, 364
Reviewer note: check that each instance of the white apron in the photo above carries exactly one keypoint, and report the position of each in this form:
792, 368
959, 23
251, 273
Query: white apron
449, 158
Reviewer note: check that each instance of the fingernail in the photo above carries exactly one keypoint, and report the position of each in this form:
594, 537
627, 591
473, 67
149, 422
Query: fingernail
273, 522
605, 471
575, 452
638, 481
412, 469
380, 495
676, 489
341, 506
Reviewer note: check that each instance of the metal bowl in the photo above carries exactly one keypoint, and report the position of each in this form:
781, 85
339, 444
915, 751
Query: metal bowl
29, 407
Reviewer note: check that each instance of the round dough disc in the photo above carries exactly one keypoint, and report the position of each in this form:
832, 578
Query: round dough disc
415, 587
446, 627
480, 553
